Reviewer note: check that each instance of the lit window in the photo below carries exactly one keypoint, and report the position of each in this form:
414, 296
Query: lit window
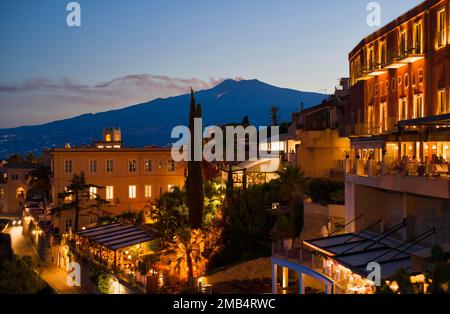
2, 193
109, 193
371, 59
68, 166
371, 119
148, 165
108, 137
403, 109
418, 107
132, 191
148, 191
68, 197
109, 166
441, 28
171, 165
93, 166
92, 192
442, 102
403, 43
132, 165
160, 164
383, 53
383, 117
418, 38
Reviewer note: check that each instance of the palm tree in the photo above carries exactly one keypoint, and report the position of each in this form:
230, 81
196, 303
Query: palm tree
184, 255
292, 182
78, 192
39, 183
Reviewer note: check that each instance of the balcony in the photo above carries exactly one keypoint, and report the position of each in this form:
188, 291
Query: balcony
372, 71
406, 56
415, 179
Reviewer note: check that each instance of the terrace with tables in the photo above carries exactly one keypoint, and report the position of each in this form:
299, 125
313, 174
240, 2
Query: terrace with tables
116, 245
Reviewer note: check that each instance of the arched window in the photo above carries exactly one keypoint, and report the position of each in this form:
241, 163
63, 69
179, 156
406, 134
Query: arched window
108, 137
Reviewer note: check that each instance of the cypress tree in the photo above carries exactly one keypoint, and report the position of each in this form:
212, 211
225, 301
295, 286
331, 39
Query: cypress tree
194, 182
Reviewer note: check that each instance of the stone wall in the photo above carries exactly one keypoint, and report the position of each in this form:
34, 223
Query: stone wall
255, 269
317, 216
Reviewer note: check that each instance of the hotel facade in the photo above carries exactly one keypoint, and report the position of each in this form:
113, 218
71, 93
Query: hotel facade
397, 170
398, 123
132, 178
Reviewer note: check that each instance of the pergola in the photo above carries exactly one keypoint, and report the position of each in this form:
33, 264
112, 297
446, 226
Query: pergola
115, 238
355, 251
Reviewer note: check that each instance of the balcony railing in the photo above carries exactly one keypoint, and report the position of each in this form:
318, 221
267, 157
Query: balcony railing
373, 169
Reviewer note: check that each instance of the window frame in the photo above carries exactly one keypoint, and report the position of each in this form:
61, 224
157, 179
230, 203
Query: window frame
109, 190
91, 163
401, 114
132, 165
444, 99
383, 117
418, 42
417, 115
68, 163
92, 192
109, 168
441, 33
148, 165
405, 48
171, 165
132, 192
148, 191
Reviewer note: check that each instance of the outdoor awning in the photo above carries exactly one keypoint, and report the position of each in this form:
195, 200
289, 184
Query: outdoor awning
440, 120
367, 143
117, 236
255, 166
356, 250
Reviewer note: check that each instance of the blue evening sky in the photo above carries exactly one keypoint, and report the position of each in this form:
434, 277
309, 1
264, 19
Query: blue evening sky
290, 43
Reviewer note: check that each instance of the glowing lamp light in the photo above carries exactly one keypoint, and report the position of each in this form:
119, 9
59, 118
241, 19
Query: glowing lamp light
84, 228
394, 286
434, 147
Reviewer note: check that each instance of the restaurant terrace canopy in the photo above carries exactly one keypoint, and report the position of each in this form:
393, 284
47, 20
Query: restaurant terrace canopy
356, 250
114, 243
117, 236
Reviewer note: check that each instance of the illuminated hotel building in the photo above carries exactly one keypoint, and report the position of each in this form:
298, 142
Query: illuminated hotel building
398, 123
132, 178
397, 171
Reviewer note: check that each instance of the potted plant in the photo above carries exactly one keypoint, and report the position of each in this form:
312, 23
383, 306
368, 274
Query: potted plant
347, 154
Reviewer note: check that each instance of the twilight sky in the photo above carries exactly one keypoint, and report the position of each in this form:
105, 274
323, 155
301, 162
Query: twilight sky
126, 52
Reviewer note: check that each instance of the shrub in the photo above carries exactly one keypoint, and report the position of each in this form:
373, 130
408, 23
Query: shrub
326, 191
100, 277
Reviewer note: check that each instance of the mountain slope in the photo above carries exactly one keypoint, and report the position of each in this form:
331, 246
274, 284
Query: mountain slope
151, 123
